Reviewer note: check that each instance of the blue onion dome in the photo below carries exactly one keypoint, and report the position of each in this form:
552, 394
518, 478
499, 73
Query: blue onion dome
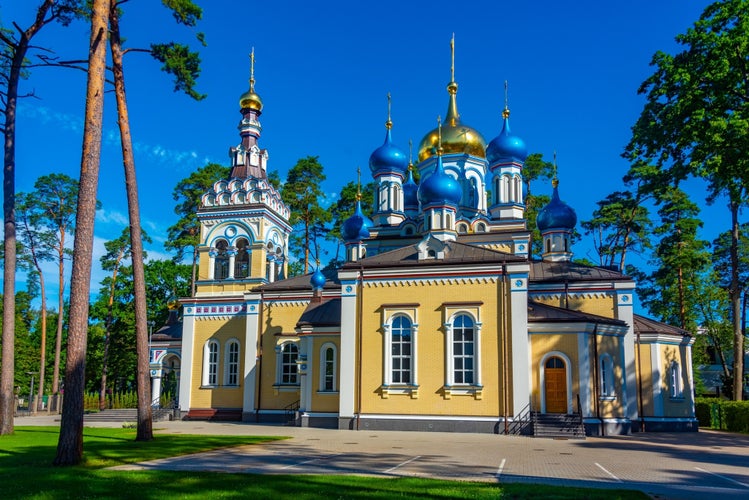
388, 157
356, 227
410, 190
317, 280
439, 187
506, 146
556, 214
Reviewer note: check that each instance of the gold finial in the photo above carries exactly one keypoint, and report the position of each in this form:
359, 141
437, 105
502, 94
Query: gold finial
252, 70
410, 154
554, 180
389, 123
506, 111
358, 184
452, 58
439, 135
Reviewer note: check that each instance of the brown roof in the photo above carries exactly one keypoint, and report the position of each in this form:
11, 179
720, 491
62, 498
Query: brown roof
455, 253
542, 313
648, 325
321, 313
559, 271
302, 282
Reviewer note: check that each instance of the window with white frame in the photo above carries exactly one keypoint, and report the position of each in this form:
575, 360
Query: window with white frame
400, 350
210, 363
328, 368
675, 387
463, 361
606, 367
288, 355
231, 362
221, 262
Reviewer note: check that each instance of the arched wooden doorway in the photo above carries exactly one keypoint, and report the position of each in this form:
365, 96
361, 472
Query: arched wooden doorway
555, 385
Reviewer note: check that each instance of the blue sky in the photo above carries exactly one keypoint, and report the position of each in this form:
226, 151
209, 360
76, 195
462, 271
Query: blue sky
323, 70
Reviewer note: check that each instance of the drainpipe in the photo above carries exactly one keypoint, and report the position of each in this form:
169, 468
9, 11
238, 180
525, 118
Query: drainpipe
259, 348
359, 309
505, 314
639, 381
596, 380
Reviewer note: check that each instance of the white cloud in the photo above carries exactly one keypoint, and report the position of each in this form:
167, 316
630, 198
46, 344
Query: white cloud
112, 217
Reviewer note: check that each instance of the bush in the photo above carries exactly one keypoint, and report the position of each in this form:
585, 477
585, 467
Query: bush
114, 401
723, 415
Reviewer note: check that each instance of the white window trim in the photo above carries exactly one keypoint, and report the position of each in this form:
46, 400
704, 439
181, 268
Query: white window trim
321, 386
279, 366
205, 381
388, 387
452, 388
675, 384
606, 384
227, 362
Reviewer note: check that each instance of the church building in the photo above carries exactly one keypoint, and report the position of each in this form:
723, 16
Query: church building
439, 319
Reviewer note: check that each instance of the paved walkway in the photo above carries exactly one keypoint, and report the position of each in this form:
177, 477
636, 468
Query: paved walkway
664, 465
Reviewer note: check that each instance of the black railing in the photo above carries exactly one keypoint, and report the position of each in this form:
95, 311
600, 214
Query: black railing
291, 412
522, 423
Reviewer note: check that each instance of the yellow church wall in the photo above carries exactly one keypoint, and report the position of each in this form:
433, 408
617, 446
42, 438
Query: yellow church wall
278, 322
430, 398
599, 305
323, 401
675, 406
220, 396
542, 344
612, 408
257, 260
645, 370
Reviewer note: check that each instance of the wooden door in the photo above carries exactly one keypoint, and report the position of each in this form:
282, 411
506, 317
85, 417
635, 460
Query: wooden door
555, 385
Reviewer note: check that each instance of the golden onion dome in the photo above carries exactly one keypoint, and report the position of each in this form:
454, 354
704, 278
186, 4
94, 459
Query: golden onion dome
250, 100
456, 136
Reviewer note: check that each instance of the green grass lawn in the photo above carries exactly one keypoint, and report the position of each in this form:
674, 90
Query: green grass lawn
27, 472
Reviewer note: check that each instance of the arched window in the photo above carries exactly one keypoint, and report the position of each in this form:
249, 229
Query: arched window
210, 363
231, 363
675, 386
505, 189
242, 260
496, 191
288, 357
462, 228
383, 197
328, 368
401, 350
221, 269
606, 367
463, 350
516, 196
481, 228
548, 245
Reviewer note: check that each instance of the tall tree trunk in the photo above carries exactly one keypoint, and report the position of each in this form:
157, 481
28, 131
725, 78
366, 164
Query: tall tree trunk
43, 351
145, 428
60, 318
734, 295
70, 443
7, 396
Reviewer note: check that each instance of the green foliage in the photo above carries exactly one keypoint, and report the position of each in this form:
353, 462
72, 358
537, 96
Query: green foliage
695, 123
182, 63
535, 169
116, 401
184, 11
719, 414
303, 194
185, 233
620, 224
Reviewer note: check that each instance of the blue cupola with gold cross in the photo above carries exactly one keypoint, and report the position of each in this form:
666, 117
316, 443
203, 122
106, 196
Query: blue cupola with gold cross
556, 222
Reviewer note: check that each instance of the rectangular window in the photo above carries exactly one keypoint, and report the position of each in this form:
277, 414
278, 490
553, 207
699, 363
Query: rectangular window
289, 356
463, 350
213, 363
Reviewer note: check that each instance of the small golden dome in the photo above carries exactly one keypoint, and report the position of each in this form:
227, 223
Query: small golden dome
250, 100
